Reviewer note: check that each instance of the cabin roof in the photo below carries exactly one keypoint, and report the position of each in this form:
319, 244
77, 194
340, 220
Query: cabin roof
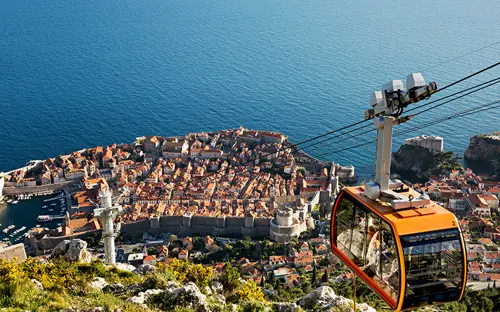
409, 221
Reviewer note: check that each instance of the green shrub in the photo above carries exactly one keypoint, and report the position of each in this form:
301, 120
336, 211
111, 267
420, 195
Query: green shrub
251, 306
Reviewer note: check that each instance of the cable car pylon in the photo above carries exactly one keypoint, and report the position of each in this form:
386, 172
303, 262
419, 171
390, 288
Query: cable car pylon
404, 246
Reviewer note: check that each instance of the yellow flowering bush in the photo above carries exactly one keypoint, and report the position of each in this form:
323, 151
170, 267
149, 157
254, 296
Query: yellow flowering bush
184, 271
249, 291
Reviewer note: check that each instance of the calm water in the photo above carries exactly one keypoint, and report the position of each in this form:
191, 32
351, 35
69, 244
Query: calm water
25, 213
77, 74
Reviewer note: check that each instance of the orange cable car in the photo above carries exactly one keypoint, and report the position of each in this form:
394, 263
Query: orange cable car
410, 258
405, 247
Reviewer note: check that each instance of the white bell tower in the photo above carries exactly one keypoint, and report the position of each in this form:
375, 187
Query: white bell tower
107, 212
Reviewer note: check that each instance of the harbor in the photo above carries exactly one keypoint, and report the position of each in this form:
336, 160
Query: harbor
38, 210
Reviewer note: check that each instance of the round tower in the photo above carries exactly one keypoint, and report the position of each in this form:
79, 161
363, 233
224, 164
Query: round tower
285, 217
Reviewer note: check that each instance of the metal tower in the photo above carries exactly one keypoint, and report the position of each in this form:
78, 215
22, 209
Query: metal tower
387, 107
107, 212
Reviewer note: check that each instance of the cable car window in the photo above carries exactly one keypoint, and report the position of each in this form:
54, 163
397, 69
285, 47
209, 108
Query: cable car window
368, 241
434, 267
343, 224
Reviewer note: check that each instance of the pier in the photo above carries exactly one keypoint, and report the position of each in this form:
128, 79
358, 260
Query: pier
56, 217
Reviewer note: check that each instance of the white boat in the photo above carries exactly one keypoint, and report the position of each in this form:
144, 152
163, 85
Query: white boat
53, 204
51, 210
9, 201
15, 202
7, 229
54, 198
19, 230
45, 207
43, 218
14, 234
59, 224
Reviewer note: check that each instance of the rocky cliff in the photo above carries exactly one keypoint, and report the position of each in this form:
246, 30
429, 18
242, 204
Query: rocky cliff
417, 164
483, 153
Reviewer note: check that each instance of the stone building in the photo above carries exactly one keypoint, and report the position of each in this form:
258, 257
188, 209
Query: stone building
433, 143
289, 223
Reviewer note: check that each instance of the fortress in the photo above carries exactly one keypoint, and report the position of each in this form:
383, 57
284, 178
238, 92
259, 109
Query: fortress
433, 143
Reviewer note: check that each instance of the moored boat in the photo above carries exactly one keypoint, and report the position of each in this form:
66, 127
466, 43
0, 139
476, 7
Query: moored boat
43, 218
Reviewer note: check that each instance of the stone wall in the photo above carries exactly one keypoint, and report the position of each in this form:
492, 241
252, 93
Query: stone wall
14, 251
37, 189
201, 225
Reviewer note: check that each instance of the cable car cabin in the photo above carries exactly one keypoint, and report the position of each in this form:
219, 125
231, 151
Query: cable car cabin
410, 258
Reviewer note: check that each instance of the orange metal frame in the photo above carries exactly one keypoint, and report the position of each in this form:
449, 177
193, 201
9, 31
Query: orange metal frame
377, 289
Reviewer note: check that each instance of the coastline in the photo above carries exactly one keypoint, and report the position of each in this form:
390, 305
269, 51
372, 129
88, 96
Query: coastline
232, 181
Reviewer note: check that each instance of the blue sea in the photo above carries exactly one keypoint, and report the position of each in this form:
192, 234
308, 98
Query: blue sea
76, 74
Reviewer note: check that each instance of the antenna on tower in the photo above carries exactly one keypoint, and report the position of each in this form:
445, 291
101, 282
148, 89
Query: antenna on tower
108, 212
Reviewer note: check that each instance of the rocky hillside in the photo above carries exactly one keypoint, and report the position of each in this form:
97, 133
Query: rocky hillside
71, 281
484, 151
416, 163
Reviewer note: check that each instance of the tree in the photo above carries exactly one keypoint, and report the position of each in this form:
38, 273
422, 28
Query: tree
172, 238
314, 277
213, 248
229, 278
324, 279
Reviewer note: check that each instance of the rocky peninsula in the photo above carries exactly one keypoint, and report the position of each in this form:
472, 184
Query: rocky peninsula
422, 157
484, 153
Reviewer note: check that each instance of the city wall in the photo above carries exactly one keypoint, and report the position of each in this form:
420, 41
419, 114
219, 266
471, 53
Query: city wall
12, 190
200, 225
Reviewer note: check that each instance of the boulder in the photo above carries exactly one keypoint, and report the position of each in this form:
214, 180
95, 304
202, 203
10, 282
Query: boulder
60, 249
142, 297
149, 283
365, 308
189, 295
171, 285
77, 252
37, 284
144, 269
220, 299
98, 283
323, 298
125, 267
285, 307
115, 289
217, 287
